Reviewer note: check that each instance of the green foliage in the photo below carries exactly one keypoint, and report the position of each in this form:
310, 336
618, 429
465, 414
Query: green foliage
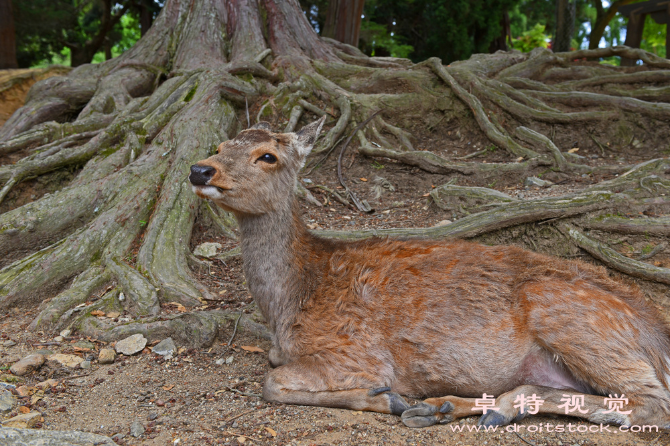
376, 40
376, 165
535, 38
449, 29
653, 37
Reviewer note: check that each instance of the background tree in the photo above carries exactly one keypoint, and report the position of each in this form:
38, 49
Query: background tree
124, 132
603, 18
7, 36
343, 20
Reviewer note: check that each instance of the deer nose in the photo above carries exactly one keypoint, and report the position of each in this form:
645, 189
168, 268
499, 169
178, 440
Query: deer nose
200, 175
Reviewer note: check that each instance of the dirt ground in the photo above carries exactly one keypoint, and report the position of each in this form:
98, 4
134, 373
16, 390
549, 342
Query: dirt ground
192, 400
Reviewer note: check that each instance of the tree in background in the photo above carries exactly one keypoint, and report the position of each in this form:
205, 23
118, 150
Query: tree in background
45, 28
7, 36
603, 19
343, 20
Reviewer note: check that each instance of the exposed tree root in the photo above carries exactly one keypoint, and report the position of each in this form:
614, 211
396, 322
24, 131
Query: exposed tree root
135, 124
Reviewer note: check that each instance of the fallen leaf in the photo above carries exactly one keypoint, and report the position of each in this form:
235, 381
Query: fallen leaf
113, 314
364, 179
81, 349
241, 440
250, 348
97, 313
426, 195
271, 431
24, 409
573, 150
519, 159
168, 387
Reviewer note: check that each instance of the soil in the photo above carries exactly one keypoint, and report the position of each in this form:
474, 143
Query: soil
191, 400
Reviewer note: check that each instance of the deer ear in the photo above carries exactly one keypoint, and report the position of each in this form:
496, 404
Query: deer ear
306, 137
262, 126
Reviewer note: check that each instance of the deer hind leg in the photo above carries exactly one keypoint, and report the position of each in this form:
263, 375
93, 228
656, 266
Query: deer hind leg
310, 383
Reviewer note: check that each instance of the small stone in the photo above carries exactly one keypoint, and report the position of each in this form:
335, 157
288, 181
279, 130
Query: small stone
131, 345
44, 352
117, 437
230, 359
7, 400
46, 384
136, 429
24, 391
537, 182
443, 223
165, 347
160, 403
59, 339
84, 344
9, 343
23, 421
207, 250
122, 297
27, 365
66, 333
7, 386
85, 364
71, 361
220, 361
152, 416
106, 356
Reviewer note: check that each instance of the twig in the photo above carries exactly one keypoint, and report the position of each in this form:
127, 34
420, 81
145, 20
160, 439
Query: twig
472, 155
353, 197
228, 420
74, 377
324, 156
235, 329
45, 344
240, 435
524, 440
602, 149
660, 247
337, 196
246, 102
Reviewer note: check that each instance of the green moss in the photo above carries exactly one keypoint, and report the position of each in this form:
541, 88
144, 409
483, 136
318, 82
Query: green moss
191, 93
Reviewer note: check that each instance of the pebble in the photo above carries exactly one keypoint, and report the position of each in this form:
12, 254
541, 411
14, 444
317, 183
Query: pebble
85, 364
106, 356
44, 352
152, 416
65, 333
207, 250
7, 400
59, 339
9, 343
443, 223
136, 429
71, 361
117, 437
7, 386
84, 344
131, 345
46, 384
23, 421
230, 359
160, 403
27, 365
535, 181
24, 391
220, 361
165, 348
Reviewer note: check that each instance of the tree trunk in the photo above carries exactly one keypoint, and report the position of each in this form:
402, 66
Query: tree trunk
343, 21
130, 128
565, 24
145, 19
7, 36
603, 18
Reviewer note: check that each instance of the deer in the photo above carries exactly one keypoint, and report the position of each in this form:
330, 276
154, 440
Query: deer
468, 329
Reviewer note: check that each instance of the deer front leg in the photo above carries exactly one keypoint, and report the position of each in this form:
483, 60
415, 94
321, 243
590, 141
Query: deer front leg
309, 383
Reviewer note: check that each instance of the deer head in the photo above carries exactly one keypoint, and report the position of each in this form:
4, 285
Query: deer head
254, 173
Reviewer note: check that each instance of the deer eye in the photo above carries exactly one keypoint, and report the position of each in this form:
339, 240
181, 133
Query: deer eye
268, 158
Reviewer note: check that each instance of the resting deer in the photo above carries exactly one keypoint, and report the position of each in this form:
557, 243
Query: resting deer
358, 324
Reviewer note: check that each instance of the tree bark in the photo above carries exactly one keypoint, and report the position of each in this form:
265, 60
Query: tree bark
603, 18
7, 36
343, 20
565, 24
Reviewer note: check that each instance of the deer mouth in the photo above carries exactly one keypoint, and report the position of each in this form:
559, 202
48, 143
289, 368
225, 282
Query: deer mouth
208, 191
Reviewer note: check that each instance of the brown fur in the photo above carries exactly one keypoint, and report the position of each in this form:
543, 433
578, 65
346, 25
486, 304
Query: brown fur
430, 318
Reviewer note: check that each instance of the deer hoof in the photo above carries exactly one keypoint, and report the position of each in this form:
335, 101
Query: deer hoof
420, 415
493, 418
397, 403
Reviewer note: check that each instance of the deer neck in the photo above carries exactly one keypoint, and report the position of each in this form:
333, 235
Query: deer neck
274, 247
